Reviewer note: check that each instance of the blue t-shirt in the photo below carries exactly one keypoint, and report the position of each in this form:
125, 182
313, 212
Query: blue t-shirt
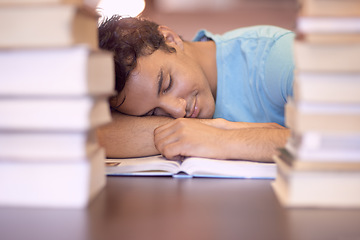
254, 73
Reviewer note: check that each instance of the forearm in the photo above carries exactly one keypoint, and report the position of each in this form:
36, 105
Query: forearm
128, 136
257, 144
225, 124
185, 137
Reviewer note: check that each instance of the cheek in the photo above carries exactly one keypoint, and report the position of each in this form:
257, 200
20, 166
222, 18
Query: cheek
137, 103
186, 85
191, 77
193, 80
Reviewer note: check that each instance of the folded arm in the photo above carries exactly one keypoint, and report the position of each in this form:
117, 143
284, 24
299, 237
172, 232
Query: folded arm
220, 139
129, 136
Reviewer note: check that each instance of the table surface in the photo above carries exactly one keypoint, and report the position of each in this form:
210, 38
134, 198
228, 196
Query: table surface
171, 208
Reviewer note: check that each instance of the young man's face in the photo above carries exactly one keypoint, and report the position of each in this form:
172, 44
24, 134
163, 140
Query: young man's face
167, 84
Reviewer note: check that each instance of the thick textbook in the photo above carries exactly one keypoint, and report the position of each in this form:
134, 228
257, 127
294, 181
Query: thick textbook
328, 38
328, 30
42, 146
327, 8
52, 184
53, 114
189, 167
71, 71
337, 25
317, 187
325, 87
47, 25
87, 3
317, 147
318, 57
325, 118
313, 162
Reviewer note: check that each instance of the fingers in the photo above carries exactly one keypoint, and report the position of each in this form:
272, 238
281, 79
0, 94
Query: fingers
173, 151
165, 144
171, 139
163, 136
186, 137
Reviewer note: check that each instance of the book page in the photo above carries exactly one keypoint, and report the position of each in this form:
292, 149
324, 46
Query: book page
193, 166
205, 167
153, 166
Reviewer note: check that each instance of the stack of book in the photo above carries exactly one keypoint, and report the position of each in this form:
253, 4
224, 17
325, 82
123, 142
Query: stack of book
320, 164
54, 85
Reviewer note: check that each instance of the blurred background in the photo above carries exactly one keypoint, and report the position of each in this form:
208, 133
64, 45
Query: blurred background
186, 17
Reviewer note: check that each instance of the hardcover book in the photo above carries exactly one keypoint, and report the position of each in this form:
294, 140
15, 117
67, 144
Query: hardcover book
325, 118
317, 188
47, 25
329, 7
72, 71
56, 114
332, 58
325, 87
52, 184
51, 146
87, 3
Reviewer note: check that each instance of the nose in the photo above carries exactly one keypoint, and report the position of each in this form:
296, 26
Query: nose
174, 106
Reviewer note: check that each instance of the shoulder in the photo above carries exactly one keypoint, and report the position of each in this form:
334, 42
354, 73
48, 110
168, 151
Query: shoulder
252, 32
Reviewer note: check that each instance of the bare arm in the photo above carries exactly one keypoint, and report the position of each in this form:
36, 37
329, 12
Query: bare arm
128, 136
225, 124
256, 142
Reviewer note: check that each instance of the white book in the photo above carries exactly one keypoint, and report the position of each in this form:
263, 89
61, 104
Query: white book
316, 188
324, 87
325, 118
46, 114
51, 184
332, 58
189, 167
88, 3
337, 25
324, 154
72, 71
47, 25
47, 146
320, 164
326, 8
317, 140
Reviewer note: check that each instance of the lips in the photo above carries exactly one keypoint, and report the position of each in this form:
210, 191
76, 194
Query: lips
194, 110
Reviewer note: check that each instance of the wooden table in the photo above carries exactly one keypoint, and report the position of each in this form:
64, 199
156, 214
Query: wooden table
169, 208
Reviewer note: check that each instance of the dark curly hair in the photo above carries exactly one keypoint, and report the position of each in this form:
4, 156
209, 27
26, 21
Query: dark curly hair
129, 38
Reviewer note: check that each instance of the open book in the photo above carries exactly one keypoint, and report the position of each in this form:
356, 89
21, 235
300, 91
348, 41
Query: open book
189, 167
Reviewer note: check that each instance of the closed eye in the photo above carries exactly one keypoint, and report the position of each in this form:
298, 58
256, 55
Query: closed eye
149, 113
152, 112
169, 86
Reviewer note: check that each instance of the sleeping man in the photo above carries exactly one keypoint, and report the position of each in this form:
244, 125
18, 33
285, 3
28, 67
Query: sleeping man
218, 96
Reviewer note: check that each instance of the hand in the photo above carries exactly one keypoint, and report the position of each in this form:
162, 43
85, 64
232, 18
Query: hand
188, 137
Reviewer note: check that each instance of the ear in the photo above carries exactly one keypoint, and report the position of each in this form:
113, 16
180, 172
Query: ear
171, 38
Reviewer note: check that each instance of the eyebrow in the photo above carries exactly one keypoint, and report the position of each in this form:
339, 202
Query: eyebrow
160, 80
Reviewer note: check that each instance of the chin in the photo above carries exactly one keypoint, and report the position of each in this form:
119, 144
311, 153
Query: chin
207, 111
207, 115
